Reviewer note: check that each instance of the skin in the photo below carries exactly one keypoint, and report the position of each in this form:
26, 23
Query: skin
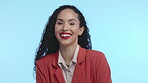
68, 22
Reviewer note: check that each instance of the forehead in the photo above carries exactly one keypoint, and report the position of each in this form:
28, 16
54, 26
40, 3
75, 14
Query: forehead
67, 14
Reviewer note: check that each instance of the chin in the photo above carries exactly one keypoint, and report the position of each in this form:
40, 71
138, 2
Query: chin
66, 44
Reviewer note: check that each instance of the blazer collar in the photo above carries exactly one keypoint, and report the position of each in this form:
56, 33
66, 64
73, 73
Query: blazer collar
81, 55
78, 69
80, 58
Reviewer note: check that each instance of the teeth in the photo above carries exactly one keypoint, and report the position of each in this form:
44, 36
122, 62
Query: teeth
65, 35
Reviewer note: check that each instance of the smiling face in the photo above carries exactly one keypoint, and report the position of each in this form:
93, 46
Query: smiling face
67, 28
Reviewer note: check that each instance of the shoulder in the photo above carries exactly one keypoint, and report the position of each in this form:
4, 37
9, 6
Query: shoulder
94, 53
46, 59
95, 56
97, 59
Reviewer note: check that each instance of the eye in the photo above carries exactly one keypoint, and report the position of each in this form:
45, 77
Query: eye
59, 23
71, 23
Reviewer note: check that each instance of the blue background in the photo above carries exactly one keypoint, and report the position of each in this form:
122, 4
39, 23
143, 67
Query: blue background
118, 28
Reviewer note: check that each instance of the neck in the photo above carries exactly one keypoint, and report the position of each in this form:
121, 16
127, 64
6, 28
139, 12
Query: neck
68, 52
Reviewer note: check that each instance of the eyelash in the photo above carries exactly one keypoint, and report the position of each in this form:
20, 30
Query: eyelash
60, 23
71, 23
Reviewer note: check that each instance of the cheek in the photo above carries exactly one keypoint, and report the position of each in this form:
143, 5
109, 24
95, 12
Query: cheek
76, 31
56, 31
56, 28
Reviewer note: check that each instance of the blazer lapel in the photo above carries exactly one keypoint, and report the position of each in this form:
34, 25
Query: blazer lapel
78, 73
59, 75
58, 72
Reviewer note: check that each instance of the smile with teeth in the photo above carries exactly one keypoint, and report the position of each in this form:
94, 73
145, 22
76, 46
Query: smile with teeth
65, 35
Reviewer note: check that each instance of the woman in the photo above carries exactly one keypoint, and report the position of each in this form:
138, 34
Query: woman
65, 55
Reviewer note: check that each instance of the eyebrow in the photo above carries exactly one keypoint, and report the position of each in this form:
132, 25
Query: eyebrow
68, 20
72, 20
60, 19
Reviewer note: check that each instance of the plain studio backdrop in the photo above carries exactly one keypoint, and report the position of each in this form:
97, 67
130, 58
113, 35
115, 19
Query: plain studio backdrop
118, 28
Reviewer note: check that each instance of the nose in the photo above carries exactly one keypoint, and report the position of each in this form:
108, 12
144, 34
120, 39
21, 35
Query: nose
65, 27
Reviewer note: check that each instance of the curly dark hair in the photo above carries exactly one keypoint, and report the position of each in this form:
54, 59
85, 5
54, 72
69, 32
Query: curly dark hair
49, 43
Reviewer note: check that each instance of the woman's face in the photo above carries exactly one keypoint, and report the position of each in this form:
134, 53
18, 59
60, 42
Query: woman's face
67, 27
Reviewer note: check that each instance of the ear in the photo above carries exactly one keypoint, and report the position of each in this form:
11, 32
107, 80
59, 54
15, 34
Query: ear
81, 30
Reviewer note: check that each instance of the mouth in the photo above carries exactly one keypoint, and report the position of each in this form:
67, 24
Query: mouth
64, 35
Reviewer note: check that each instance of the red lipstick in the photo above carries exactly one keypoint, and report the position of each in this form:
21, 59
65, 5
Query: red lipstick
65, 35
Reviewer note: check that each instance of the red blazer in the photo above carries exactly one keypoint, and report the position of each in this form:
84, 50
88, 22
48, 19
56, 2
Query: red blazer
91, 67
